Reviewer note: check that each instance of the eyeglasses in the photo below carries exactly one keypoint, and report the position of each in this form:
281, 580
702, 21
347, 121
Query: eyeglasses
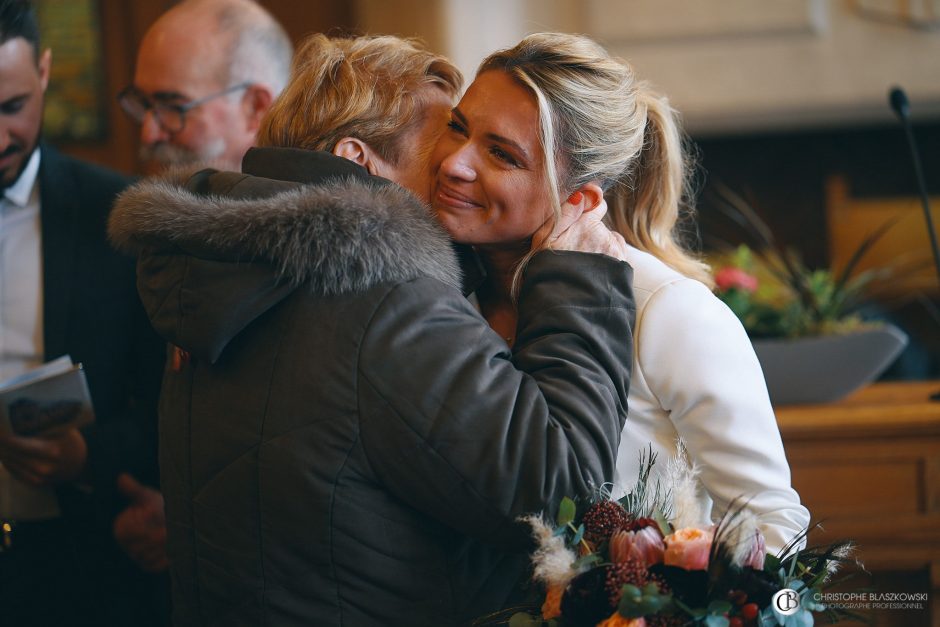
170, 117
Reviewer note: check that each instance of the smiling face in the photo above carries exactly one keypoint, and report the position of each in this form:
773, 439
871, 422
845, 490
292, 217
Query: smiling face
22, 84
489, 184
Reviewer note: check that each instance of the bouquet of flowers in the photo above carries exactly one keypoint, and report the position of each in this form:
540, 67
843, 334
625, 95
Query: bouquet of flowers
647, 559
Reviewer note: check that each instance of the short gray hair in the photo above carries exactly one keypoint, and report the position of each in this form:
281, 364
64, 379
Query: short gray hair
260, 50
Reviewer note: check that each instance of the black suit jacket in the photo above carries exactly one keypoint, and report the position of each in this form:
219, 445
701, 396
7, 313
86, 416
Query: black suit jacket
92, 312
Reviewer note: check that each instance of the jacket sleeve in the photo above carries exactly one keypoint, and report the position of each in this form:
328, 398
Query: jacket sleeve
475, 435
719, 404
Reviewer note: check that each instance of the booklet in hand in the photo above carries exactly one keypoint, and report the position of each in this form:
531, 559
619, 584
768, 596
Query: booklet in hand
51, 396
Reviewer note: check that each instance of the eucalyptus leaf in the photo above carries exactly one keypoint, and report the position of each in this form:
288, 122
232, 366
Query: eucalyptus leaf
566, 511
719, 607
578, 536
521, 619
716, 621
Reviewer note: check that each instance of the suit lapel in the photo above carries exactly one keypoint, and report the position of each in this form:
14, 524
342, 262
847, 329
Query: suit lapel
56, 196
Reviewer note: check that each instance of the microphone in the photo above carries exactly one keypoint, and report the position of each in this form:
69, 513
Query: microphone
900, 103
902, 108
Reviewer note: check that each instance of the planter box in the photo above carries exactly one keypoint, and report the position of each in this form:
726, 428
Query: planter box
827, 367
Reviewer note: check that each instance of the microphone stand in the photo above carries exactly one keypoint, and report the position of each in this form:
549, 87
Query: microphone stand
902, 108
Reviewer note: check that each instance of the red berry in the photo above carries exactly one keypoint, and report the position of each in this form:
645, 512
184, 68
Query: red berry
750, 611
734, 621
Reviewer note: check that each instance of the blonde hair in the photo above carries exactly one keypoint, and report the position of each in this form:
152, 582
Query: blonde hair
369, 88
606, 125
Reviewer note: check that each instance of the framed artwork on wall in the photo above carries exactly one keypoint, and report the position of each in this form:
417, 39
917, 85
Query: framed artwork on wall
76, 109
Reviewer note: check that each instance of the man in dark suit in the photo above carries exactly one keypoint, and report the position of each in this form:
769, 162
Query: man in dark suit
63, 290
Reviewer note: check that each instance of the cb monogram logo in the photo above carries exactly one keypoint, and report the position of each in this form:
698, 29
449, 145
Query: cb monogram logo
786, 601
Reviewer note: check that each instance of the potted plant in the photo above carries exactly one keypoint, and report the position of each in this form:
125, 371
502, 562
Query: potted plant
812, 343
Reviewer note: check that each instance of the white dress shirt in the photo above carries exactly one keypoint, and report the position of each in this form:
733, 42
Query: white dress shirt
21, 323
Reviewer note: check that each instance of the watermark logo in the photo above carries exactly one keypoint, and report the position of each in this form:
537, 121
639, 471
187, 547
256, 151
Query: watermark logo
786, 601
872, 600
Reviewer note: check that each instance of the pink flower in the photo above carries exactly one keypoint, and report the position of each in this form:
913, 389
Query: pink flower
645, 545
731, 277
755, 558
688, 548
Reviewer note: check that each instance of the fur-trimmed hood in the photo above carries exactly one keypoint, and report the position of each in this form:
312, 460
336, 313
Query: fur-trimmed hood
267, 237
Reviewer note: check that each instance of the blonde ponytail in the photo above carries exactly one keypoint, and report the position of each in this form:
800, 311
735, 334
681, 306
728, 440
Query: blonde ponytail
645, 205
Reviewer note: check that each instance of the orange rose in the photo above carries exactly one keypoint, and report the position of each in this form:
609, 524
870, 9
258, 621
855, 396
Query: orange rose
688, 548
616, 620
552, 606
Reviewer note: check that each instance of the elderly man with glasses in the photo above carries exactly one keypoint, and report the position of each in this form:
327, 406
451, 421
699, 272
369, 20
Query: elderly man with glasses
207, 72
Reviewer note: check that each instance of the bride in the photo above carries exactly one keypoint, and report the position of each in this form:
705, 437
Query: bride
695, 375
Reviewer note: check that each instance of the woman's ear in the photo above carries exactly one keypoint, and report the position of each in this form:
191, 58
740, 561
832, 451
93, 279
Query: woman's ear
588, 197
359, 152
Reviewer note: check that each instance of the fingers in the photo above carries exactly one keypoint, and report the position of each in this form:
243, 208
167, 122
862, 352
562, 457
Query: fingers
551, 229
27, 473
600, 209
25, 448
153, 563
586, 234
617, 246
32, 460
589, 234
149, 551
140, 530
130, 488
46, 459
569, 215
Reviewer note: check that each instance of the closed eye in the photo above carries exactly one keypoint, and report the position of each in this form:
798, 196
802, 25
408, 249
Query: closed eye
457, 127
504, 156
13, 105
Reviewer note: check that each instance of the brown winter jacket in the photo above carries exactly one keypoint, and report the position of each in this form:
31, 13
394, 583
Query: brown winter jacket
344, 440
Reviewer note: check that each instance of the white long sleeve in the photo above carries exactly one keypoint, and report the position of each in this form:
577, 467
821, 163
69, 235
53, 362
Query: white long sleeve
696, 377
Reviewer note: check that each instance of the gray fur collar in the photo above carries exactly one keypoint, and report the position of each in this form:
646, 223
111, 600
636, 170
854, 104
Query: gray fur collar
339, 237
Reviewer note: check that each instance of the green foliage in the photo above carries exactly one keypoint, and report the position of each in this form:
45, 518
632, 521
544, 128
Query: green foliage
645, 500
524, 620
636, 602
790, 299
793, 300
566, 512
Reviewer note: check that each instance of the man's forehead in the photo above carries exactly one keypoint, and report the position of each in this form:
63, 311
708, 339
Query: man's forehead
17, 65
18, 51
174, 68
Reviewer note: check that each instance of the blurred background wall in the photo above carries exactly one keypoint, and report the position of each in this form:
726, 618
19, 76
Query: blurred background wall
786, 100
